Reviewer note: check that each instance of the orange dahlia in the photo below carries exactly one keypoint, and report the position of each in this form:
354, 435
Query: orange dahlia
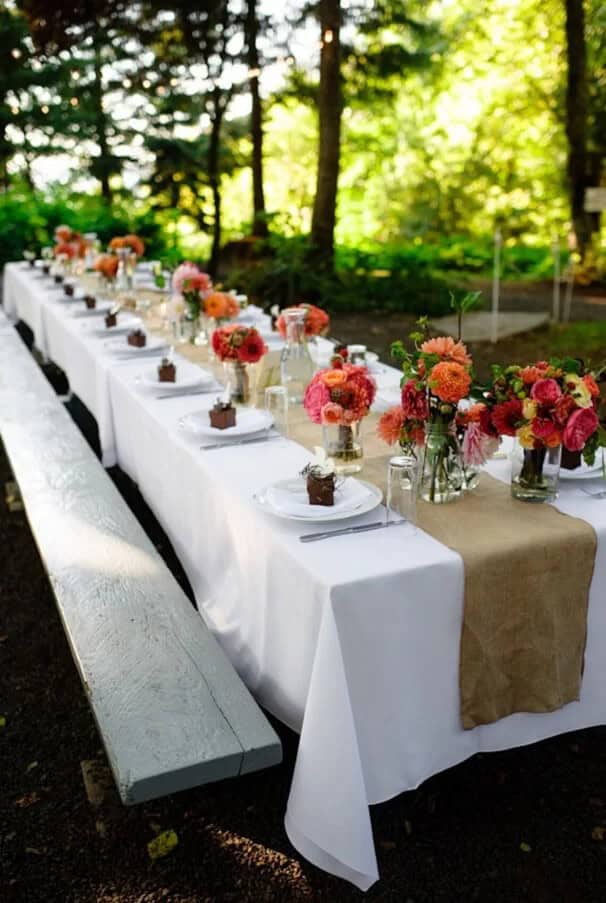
447, 349
450, 381
390, 425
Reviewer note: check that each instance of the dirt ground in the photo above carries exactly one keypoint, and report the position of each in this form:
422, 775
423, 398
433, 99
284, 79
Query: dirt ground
521, 826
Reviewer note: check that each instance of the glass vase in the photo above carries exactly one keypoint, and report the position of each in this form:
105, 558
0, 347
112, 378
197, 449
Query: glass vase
535, 473
344, 444
441, 478
238, 381
296, 365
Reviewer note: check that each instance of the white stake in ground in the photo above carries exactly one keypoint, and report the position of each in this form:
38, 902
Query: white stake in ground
555, 247
496, 273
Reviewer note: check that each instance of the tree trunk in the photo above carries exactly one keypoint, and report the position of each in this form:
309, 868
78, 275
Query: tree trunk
576, 120
101, 122
214, 180
330, 105
259, 227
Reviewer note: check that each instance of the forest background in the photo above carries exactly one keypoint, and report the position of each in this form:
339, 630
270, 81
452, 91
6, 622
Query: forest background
353, 152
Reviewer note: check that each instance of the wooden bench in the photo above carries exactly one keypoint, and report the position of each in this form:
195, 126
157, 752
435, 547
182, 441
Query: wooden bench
169, 706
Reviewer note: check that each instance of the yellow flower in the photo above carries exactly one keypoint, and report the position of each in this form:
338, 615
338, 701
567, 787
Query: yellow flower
529, 409
525, 437
579, 391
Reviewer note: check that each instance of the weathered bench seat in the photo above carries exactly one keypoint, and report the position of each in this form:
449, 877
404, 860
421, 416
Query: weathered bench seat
169, 706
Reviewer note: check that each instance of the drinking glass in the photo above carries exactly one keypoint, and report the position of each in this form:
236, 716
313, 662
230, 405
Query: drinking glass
402, 485
276, 402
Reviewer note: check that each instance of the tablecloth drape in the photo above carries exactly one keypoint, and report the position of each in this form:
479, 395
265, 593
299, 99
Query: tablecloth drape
352, 642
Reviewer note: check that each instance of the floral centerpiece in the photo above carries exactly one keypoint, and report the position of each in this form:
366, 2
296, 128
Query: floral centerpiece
437, 378
237, 346
317, 321
107, 266
131, 243
221, 306
338, 398
545, 407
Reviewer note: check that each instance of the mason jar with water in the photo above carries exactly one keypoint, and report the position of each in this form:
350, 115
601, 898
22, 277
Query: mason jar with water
296, 365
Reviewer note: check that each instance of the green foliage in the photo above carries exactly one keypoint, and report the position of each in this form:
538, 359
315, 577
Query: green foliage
28, 220
282, 275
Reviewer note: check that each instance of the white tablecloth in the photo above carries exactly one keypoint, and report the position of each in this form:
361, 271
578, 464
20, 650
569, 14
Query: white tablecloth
353, 642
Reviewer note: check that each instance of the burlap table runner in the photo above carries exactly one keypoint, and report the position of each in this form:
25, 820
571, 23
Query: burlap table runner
527, 569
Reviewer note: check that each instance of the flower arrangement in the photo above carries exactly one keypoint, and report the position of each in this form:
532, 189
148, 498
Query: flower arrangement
221, 306
317, 321
340, 395
65, 249
548, 404
186, 271
130, 242
63, 233
107, 265
239, 344
437, 380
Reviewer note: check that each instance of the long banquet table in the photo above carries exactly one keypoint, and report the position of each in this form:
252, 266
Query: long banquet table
353, 642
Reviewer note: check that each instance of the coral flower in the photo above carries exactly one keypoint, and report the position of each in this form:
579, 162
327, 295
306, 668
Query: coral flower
65, 248
390, 425
216, 305
63, 233
332, 413
135, 244
591, 385
334, 378
447, 350
449, 381
530, 375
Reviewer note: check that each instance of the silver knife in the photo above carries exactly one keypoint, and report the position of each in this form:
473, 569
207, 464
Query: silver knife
240, 442
344, 531
185, 394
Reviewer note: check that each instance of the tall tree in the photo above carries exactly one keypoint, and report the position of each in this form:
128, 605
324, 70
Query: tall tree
95, 41
330, 105
576, 119
259, 226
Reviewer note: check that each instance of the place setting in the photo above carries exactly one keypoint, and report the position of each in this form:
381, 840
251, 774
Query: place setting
318, 495
226, 425
166, 379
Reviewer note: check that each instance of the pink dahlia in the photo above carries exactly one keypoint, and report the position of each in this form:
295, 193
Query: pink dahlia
477, 445
317, 395
581, 425
545, 392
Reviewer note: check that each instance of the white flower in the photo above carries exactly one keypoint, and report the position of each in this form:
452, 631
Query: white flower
321, 463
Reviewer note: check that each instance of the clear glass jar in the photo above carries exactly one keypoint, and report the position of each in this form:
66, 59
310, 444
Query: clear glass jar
535, 473
238, 381
344, 444
296, 365
401, 499
441, 477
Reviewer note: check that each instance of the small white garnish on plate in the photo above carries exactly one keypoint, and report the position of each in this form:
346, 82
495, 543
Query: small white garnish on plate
321, 464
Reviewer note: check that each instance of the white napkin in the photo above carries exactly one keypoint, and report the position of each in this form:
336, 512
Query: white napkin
295, 500
251, 315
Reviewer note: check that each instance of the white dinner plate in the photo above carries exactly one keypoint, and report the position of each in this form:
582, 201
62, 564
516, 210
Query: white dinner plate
584, 471
364, 497
125, 324
102, 307
119, 346
191, 380
248, 422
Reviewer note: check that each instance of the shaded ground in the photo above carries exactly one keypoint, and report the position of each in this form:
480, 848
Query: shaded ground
524, 825
585, 335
